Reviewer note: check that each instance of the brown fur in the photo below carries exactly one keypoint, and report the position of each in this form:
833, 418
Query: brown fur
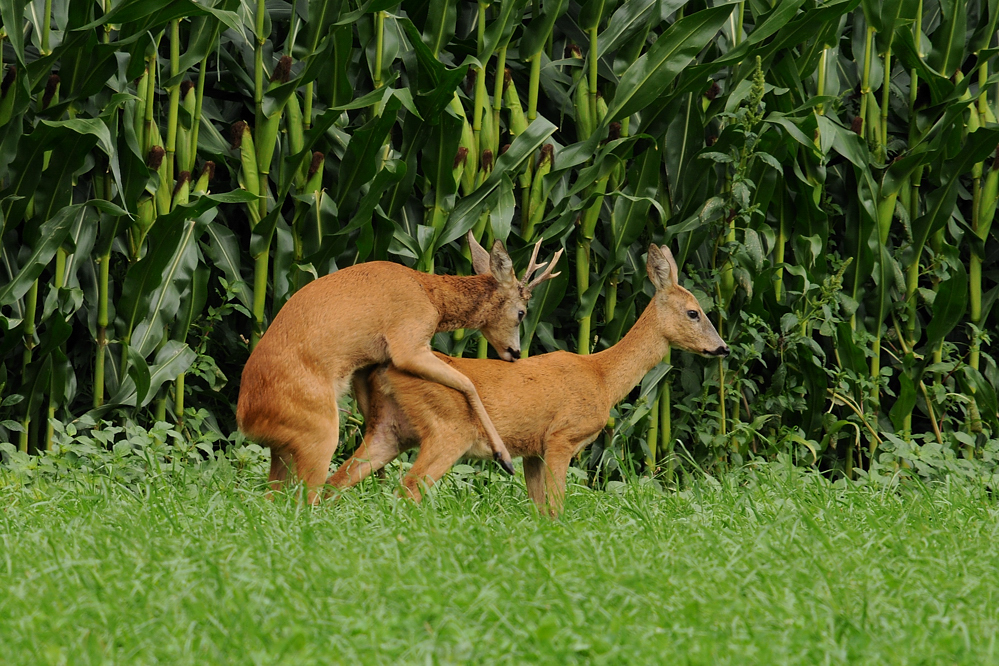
359, 317
546, 407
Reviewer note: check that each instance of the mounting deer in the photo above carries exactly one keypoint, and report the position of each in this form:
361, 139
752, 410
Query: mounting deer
342, 324
546, 407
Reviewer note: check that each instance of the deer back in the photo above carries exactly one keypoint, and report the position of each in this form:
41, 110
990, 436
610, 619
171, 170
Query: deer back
526, 400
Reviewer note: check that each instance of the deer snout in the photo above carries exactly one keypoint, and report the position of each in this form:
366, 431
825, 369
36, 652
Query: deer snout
721, 351
510, 354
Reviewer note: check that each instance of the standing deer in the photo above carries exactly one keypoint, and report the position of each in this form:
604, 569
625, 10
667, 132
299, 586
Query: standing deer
342, 324
547, 407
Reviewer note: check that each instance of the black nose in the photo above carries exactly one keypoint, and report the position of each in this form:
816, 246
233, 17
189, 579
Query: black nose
721, 351
514, 353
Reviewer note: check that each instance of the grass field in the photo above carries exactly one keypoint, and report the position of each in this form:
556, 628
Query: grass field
195, 566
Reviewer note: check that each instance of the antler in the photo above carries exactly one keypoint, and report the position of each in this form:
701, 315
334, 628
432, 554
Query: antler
525, 286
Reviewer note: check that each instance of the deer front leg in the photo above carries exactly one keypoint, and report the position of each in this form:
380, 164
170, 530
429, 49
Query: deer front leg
556, 466
424, 364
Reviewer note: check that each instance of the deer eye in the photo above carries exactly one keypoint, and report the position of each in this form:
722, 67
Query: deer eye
520, 315
693, 314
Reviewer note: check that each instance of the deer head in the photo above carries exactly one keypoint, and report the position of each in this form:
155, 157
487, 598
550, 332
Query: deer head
507, 306
679, 315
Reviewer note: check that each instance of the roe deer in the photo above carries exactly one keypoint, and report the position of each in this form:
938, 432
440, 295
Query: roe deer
362, 316
546, 407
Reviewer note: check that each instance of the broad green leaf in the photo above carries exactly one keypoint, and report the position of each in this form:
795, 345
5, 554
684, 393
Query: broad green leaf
501, 214
339, 81
649, 77
51, 236
984, 395
391, 173
537, 31
652, 380
501, 27
590, 13
54, 191
436, 82
138, 372
193, 303
12, 14
360, 163
163, 303
631, 215
891, 11
369, 7
544, 299
630, 18
905, 402
144, 380
439, 157
684, 137
321, 14
949, 306
947, 54
940, 202
439, 28
986, 26
467, 211
172, 359
223, 248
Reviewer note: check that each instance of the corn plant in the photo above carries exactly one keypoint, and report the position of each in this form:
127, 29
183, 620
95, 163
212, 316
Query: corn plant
826, 174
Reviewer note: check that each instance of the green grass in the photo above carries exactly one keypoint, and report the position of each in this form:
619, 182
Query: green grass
195, 566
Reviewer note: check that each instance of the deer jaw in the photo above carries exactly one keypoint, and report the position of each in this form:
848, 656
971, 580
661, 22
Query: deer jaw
684, 324
503, 315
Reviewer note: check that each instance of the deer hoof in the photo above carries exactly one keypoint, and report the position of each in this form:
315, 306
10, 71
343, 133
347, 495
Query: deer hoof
505, 464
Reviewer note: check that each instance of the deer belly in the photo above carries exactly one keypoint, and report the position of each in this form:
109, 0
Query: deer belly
480, 450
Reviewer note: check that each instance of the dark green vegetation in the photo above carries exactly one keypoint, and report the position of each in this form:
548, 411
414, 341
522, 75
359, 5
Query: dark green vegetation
171, 173
143, 557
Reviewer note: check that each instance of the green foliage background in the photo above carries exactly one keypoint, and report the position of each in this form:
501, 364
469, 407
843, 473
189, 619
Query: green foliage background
836, 222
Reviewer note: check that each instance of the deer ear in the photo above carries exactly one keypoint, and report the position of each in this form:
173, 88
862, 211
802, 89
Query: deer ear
501, 266
480, 258
659, 269
672, 262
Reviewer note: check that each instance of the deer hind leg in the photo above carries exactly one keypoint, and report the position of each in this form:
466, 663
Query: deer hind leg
361, 387
379, 448
437, 455
282, 464
313, 449
534, 477
423, 363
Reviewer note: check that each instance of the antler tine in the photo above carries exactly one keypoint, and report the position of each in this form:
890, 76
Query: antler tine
532, 265
547, 274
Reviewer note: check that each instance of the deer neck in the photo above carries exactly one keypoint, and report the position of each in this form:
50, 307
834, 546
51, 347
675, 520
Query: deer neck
626, 363
460, 300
